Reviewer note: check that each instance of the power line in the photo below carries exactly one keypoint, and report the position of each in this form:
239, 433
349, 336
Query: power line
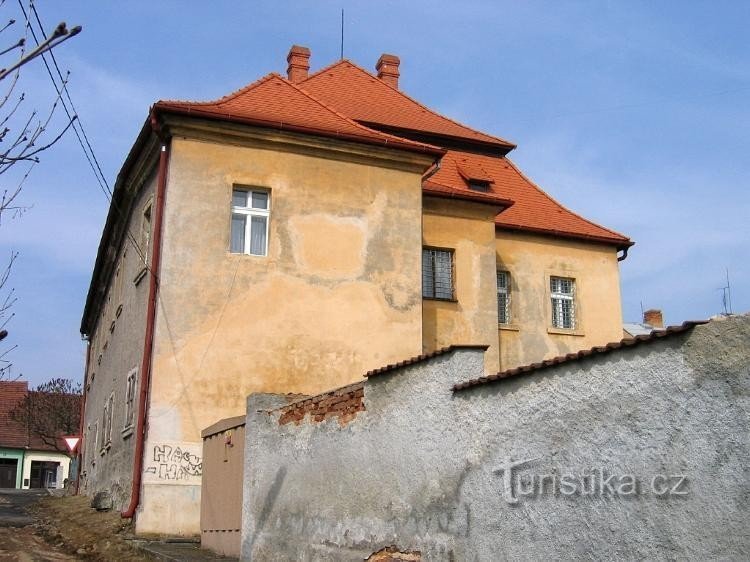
67, 94
89, 154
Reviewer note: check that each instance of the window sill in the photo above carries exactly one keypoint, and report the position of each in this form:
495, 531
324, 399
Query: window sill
509, 327
127, 432
140, 275
438, 299
565, 332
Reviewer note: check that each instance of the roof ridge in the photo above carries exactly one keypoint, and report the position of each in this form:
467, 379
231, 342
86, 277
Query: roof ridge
553, 200
229, 96
411, 99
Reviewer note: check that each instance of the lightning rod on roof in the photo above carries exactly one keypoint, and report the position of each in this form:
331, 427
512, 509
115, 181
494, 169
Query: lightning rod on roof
342, 33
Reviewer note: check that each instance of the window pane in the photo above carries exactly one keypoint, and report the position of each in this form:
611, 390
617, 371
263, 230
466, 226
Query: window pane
443, 275
259, 200
239, 198
428, 275
238, 234
503, 297
258, 236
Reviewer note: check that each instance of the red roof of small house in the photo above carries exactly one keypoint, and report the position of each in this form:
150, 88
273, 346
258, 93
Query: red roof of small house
12, 433
532, 209
363, 97
275, 102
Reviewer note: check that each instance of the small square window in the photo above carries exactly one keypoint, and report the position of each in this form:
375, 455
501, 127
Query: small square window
249, 224
437, 273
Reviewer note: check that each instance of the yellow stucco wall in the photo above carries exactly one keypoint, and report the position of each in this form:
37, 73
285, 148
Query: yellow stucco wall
338, 294
531, 260
469, 230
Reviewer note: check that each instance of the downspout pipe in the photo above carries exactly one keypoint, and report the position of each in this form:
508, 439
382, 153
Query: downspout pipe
624, 253
433, 171
153, 287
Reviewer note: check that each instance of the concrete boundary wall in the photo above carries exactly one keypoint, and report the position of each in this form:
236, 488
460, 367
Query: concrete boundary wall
638, 453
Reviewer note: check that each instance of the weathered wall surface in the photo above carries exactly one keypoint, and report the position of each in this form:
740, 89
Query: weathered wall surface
469, 230
338, 294
424, 468
116, 348
531, 260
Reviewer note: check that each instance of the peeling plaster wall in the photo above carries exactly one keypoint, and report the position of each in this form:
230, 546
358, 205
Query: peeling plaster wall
422, 468
469, 230
338, 294
116, 348
531, 260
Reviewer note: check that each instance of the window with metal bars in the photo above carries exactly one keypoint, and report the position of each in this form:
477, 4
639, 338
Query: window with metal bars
503, 297
250, 215
437, 273
562, 291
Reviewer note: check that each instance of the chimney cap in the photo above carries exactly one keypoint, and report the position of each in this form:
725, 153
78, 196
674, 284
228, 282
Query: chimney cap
387, 68
299, 63
298, 50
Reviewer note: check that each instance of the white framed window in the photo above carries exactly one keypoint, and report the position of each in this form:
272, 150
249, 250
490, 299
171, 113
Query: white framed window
106, 432
562, 292
437, 273
130, 389
146, 230
102, 433
95, 442
251, 210
503, 297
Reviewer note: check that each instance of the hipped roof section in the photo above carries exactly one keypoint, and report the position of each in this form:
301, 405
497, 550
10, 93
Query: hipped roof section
532, 209
276, 103
363, 97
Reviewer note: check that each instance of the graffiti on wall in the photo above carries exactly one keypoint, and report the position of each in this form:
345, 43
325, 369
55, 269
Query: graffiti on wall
173, 463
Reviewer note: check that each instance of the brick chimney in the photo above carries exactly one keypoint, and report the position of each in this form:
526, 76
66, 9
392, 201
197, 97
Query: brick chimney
653, 318
299, 63
387, 68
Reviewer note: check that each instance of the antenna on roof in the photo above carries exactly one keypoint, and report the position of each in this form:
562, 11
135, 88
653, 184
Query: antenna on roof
726, 296
342, 33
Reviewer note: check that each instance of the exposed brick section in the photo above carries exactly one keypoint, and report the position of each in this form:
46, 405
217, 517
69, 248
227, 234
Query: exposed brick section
393, 554
343, 403
628, 342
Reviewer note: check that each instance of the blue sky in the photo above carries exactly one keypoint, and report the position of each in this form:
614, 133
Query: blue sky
634, 114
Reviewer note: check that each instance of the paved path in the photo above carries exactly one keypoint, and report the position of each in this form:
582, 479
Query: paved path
19, 540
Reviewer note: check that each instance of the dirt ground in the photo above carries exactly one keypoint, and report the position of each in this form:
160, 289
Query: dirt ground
70, 525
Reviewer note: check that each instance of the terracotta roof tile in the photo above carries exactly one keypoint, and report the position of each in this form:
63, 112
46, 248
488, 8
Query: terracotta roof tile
365, 98
275, 102
598, 350
12, 433
532, 209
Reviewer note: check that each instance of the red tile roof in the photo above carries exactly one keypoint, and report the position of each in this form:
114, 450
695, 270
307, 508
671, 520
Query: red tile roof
345, 101
532, 210
275, 102
599, 350
358, 94
12, 434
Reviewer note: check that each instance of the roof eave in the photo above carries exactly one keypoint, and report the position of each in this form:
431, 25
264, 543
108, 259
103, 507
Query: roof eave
112, 219
620, 244
197, 112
